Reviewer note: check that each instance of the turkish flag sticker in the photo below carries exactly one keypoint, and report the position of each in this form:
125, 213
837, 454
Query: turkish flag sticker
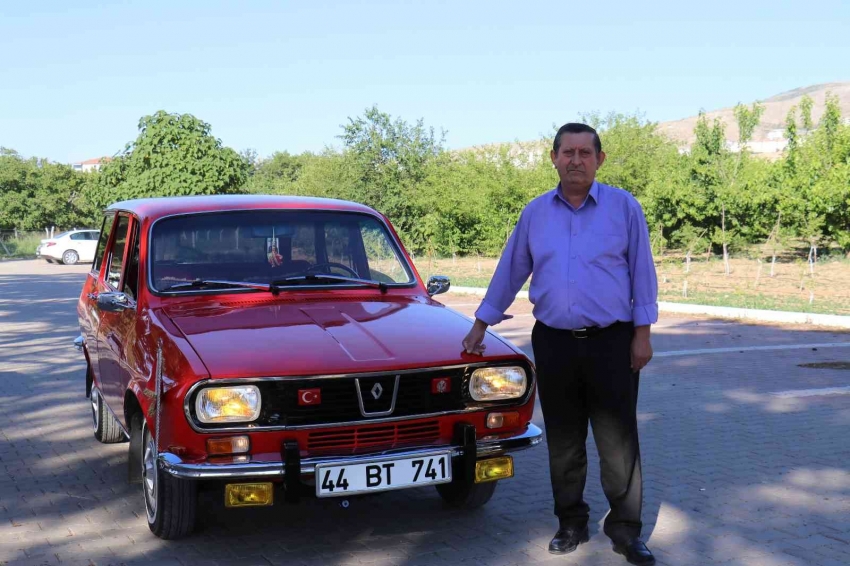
441, 385
309, 396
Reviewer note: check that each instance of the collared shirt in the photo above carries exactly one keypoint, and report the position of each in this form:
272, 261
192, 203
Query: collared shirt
592, 265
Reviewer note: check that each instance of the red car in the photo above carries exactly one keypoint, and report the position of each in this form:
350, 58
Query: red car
278, 344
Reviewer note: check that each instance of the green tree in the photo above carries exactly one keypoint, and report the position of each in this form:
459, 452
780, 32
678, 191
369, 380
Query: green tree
806, 104
173, 155
391, 159
748, 119
35, 194
277, 174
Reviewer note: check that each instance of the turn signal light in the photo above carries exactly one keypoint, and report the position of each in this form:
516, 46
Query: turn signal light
248, 494
494, 469
502, 420
229, 445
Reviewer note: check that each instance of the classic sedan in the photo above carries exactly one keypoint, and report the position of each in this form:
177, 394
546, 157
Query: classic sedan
278, 345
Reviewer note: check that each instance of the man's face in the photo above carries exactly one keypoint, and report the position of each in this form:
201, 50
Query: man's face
577, 160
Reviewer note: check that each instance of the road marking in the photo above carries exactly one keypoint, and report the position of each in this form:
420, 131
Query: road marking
729, 350
812, 392
515, 334
751, 349
33, 301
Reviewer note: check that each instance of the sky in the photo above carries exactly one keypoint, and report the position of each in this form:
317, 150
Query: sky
76, 77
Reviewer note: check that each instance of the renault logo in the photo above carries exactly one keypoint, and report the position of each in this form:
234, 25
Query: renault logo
377, 391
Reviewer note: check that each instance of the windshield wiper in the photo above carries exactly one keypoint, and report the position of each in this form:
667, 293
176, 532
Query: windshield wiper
216, 284
275, 285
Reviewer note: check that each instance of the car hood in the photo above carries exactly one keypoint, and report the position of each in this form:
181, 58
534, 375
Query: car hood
327, 337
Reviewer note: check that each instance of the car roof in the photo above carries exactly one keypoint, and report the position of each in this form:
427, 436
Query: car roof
153, 208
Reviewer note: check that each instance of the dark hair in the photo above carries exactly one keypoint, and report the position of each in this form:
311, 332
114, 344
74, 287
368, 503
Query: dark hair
577, 128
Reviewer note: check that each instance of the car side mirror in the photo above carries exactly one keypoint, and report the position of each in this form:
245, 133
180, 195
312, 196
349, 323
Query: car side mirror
438, 284
113, 302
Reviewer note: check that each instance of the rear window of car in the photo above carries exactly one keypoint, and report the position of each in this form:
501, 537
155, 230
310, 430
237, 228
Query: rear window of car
262, 246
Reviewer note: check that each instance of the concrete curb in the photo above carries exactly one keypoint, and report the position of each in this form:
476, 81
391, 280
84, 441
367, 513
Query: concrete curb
722, 312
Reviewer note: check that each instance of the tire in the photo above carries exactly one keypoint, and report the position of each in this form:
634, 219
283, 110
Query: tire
106, 428
70, 257
462, 495
170, 503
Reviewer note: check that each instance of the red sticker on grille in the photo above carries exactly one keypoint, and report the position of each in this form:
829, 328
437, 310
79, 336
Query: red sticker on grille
441, 385
309, 396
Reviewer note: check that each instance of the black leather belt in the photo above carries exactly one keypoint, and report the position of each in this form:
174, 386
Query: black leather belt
591, 331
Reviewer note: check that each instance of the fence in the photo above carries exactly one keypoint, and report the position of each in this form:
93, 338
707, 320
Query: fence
19, 243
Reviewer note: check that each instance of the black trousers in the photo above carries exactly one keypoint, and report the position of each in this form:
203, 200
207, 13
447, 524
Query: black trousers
590, 379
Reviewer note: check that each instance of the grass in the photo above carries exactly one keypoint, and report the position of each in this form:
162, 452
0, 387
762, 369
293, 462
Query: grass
749, 285
21, 247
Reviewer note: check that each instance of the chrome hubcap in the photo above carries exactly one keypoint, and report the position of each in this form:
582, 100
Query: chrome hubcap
149, 476
95, 412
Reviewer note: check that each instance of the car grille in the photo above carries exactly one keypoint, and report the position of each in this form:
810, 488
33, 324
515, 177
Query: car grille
364, 438
340, 401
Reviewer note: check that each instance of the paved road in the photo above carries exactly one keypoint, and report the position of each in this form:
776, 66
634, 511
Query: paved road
734, 473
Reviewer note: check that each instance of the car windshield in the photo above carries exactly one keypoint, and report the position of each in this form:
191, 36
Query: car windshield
266, 246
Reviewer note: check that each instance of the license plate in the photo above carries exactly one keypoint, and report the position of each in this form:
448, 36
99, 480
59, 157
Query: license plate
337, 480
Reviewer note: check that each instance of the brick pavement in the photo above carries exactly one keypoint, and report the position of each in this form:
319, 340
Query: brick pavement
733, 475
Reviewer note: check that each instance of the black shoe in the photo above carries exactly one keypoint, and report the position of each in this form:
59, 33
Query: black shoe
635, 552
567, 539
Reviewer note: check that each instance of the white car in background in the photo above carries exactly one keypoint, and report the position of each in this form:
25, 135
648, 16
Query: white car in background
69, 247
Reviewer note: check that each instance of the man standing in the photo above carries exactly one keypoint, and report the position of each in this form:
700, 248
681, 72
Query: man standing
594, 292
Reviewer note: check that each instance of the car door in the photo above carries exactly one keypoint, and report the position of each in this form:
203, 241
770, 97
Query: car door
88, 246
87, 310
110, 349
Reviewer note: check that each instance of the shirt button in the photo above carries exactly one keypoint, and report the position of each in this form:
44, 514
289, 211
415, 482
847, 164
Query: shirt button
572, 280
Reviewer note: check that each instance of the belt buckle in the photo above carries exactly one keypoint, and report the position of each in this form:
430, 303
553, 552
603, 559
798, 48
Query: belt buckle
576, 332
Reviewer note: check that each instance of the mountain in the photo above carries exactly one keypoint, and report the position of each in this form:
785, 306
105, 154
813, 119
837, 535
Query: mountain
768, 138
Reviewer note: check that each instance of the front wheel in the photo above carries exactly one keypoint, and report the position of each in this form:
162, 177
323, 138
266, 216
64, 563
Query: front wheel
170, 502
462, 495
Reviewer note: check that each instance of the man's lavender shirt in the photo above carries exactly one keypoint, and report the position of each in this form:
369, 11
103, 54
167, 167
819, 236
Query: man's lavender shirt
592, 265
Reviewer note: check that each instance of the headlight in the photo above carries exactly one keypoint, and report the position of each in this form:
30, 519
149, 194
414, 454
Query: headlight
498, 383
228, 404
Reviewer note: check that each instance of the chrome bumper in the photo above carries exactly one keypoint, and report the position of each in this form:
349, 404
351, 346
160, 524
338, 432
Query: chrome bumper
204, 471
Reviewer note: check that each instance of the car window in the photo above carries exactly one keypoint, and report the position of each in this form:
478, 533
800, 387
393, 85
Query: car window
261, 246
105, 230
92, 235
131, 277
385, 263
116, 253
79, 236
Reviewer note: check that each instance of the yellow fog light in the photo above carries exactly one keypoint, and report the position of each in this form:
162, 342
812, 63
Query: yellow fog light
494, 469
248, 494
